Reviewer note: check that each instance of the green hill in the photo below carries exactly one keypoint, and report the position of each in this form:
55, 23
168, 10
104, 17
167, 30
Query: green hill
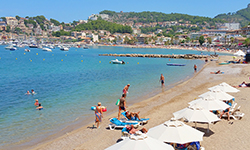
148, 17
242, 16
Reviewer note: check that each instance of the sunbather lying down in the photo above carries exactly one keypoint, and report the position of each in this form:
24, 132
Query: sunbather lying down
133, 115
132, 130
243, 84
217, 72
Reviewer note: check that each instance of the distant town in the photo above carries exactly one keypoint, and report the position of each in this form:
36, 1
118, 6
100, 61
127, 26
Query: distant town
39, 29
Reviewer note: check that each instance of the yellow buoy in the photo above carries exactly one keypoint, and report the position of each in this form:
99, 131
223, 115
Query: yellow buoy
16, 58
138, 63
36, 53
81, 60
99, 61
110, 62
43, 59
0, 57
65, 54
30, 60
61, 59
24, 53
52, 54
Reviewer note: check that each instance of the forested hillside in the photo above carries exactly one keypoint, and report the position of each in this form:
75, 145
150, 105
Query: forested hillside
242, 16
148, 17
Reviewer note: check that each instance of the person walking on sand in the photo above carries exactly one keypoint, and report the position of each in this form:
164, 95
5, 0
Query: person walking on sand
122, 106
125, 90
162, 80
98, 115
195, 68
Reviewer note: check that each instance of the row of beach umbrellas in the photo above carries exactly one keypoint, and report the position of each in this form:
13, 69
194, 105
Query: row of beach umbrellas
174, 131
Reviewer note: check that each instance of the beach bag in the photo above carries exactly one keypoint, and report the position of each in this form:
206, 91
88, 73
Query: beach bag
118, 102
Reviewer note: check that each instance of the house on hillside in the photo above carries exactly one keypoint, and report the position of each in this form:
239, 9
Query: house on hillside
2, 26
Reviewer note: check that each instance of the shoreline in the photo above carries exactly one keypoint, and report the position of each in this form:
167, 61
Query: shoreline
168, 102
134, 106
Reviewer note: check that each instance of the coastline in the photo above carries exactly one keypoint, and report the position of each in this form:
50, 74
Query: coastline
159, 109
170, 100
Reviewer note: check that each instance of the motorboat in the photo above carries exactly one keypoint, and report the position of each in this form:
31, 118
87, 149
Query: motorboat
85, 47
116, 61
10, 47
175, 64
64, 48
27, 50
33, 46
47, 49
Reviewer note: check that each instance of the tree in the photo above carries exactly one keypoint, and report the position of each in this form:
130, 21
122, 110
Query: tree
8, 29
209, 40
201, 40
247, 42
4, 19
17, 17
187, 39
231, 40
17, 30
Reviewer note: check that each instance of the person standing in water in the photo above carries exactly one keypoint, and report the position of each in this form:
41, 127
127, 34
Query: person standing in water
195, 68
125, 90
98, 114
36, 103
162, 80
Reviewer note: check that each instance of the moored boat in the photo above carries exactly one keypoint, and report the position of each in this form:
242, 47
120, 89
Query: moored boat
27, 50
175, 64
116, 61
47, 49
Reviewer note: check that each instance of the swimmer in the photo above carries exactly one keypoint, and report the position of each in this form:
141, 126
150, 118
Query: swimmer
28, 93
40, 107
33, 92
36, 103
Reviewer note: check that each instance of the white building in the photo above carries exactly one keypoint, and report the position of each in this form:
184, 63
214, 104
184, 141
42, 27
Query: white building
94, 37
95, 16
232, 26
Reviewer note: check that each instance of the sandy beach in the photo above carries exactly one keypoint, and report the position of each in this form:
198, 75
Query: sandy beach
159, 109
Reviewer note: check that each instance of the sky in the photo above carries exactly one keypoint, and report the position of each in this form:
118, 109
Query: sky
70, 10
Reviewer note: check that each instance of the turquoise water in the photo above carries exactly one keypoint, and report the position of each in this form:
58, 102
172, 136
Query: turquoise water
69, 83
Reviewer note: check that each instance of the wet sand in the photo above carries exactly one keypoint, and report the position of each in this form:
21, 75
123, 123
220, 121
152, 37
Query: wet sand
159, 109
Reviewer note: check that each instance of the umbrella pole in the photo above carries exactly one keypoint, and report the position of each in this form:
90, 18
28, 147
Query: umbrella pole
195, 125
207, 127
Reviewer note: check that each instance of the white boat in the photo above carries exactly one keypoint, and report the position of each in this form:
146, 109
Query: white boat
27, 50
64, 48
47, 49
10, 47
116, 61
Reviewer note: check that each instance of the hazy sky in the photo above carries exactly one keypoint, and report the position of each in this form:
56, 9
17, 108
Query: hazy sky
70, 10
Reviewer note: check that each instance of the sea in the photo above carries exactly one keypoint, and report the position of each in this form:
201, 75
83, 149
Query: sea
68, 83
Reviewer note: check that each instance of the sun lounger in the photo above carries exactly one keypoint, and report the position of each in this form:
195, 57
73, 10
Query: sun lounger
115, 123
142, 120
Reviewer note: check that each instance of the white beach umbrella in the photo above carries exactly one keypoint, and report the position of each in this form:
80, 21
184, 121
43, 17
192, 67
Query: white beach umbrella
217, 94
240, 53
173, 131
140, 142
224, 87
196, 113
210, 103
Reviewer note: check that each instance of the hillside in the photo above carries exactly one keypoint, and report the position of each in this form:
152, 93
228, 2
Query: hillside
242, 16
148, 17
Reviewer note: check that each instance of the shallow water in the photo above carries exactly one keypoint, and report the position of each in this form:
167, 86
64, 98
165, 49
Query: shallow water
69, 83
